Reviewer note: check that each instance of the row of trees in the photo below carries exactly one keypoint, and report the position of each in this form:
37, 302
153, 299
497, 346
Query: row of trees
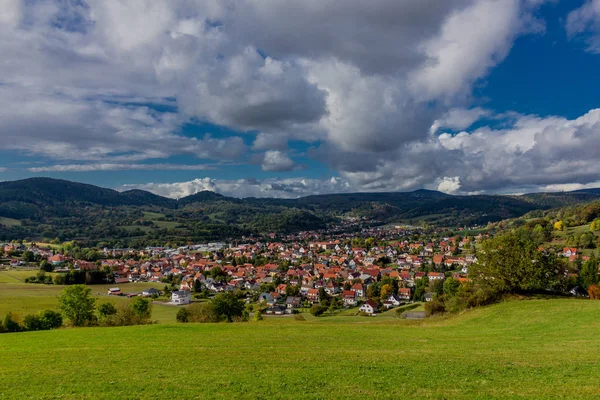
44, 320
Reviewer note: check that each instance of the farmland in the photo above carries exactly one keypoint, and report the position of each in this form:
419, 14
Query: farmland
518, 349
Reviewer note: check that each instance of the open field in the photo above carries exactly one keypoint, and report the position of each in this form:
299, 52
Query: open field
26, 298
9, 222
534, 349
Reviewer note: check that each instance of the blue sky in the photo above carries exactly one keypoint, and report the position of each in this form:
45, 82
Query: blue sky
284, 99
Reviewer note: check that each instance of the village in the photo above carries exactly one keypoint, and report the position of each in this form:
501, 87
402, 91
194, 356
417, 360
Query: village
372, 271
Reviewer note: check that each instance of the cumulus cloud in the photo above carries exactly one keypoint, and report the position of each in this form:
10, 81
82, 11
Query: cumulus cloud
280, 188
105, 84
586, 19
275, 160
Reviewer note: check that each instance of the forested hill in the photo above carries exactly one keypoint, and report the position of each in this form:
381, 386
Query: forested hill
48, 208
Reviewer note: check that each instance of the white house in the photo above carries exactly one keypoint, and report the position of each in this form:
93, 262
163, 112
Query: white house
369, 307
181, 297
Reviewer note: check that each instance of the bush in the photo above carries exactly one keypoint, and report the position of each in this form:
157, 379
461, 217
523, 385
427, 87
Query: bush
203, 312
105, 310
51, 319
435, 306
299, 317
32, 323
258, 316
11, 323
183, 315
594, 292
317, 310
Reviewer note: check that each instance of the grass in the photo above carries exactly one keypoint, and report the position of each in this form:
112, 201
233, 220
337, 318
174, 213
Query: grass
534, 349
9, 222
26, 298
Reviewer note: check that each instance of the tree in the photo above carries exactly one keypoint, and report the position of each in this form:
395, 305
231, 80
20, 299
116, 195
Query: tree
258, 316
77, 304
588, 273
28, 256
451, 286
46, 266
559, 226
228, 306
183, 315
142, 308
106, 310
203, 312
386, 291
512, 263
197, 286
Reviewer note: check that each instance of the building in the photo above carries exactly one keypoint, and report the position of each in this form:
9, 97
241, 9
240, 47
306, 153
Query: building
181, 297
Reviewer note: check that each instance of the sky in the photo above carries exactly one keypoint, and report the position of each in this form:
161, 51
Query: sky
271, 98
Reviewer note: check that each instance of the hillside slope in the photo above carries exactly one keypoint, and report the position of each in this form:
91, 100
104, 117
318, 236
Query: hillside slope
47, 208
519, 349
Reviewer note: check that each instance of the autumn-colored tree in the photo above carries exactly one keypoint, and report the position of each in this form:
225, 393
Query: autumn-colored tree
386, 291
594, 292
558, 226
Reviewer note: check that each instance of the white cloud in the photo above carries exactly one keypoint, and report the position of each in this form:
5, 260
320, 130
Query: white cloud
275, 160
459, 118
119, 167
280, 188
449, 185
586, 19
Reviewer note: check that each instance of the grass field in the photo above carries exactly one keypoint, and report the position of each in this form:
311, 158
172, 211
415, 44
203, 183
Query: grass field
9, 222
26, 298
535, 349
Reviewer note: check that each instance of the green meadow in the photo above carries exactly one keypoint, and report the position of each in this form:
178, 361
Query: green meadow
528, 349
27, 298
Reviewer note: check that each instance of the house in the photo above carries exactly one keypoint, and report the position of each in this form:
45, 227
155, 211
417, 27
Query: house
276, 310
313, 295
369, 307
569, 251
358, 288
181, 297
436, 276
428, 296
404, 294
115, 291
349, 298
151, 292
392, 301
293, 302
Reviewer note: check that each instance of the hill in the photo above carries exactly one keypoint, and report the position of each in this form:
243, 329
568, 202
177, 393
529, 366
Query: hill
534, 349
45, 208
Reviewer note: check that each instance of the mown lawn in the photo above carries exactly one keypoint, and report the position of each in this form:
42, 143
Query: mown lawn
534, 349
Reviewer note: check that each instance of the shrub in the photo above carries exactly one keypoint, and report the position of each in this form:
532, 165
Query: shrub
11, 323
594, 292
51, 319
299, 317
32, 323
435, 306
203, 312
106, 310
183, 315
317, 310
258, 316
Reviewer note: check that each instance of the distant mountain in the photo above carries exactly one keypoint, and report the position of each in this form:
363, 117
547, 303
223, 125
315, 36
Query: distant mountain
48, 208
